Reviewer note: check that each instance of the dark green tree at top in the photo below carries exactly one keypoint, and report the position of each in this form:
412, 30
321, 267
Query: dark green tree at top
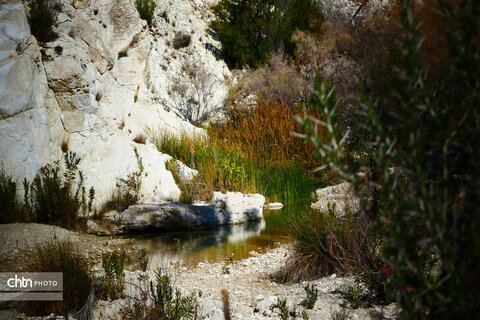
245, 28
250, 29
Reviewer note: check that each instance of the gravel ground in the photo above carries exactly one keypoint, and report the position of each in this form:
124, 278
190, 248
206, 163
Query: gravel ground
18, 240
252, 292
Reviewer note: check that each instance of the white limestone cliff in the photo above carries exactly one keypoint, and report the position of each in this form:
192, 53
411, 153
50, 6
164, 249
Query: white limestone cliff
99, 85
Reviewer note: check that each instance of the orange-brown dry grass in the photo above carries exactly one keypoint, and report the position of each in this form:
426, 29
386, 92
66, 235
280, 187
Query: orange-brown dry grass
264, 134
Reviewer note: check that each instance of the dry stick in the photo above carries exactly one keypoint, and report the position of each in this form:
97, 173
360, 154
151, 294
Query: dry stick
358, 11
226, 307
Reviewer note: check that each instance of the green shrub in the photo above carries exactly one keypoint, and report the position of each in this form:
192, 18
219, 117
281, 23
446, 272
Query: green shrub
163, 302
42, 15
9, 206
312, 296
323, 245
112, 282
244, 27
427, 223
146, 9
355, 295
58, 200
63, 257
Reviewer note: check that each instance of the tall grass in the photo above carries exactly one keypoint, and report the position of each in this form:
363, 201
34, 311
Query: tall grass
63, 257
253, 151
323, 245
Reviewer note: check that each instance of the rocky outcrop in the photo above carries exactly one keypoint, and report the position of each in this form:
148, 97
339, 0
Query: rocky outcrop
29, 132
337, 199
226, 209
97, 87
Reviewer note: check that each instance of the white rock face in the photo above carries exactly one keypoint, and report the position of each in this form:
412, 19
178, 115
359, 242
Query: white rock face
226, 209
240, 207
29, 133
338, 198
98, 86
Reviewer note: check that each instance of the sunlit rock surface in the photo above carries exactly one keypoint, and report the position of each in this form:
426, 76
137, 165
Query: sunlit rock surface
98, 86
226, 209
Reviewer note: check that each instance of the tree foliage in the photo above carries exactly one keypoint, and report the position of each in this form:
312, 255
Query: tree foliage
250, 29
422, 179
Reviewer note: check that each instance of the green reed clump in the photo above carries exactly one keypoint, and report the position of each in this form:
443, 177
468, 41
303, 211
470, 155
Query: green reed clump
225, 167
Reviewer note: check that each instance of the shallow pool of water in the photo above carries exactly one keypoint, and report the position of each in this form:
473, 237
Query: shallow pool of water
217, 245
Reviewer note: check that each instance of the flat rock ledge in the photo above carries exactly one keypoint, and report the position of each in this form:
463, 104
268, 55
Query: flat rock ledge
225, 209
339, 199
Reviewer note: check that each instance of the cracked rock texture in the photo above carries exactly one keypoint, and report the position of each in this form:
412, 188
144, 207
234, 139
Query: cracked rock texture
101, 83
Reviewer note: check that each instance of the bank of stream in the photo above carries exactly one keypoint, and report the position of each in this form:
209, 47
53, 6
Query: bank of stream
222, 244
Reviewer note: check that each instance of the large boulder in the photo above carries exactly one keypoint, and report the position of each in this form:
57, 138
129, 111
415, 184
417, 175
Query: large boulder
226, 209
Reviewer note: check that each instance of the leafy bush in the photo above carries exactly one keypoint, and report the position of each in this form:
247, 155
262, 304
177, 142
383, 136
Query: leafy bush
56, 200
63, 257
50, 198
9, 205
164, 302
284, 312
428, 222
146, 9
112, 282
42, 15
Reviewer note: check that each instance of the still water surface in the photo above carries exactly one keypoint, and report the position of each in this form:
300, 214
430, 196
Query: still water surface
220, 244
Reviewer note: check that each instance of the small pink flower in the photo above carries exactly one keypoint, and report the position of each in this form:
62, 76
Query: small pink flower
386, 271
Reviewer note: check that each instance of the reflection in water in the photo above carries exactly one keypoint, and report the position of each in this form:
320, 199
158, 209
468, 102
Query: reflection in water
216, 245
